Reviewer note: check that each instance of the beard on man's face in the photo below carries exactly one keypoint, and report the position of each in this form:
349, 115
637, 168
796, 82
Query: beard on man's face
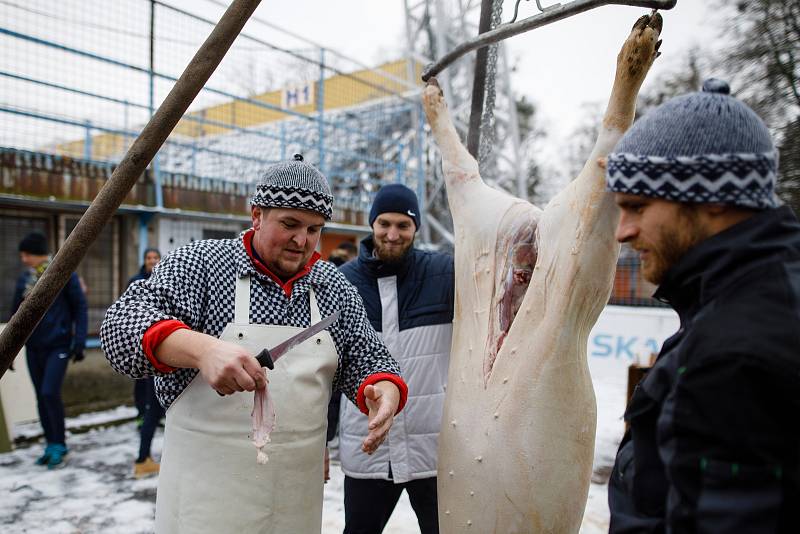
388, 253
673, 243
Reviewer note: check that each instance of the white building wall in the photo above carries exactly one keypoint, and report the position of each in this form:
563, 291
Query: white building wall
174, 233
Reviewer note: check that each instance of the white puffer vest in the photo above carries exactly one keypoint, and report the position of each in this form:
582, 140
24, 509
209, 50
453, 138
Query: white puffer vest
423, 354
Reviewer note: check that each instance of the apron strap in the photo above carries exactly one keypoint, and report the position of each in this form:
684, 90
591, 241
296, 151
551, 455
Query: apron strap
312, 304
241, 311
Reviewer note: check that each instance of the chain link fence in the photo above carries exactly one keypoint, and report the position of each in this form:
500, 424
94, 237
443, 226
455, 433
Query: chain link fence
80, 78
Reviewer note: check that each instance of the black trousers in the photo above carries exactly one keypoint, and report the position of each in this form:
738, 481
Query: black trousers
152, 415
368, 504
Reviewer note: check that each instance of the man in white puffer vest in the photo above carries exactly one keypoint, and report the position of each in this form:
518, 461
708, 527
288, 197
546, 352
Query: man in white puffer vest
408, 295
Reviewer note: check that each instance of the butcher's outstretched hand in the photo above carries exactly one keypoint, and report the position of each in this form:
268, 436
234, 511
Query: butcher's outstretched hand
382, 400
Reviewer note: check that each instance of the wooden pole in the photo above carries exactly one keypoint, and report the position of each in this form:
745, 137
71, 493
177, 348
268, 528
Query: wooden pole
196, 74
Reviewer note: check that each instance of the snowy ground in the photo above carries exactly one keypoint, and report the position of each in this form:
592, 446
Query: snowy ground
95, 492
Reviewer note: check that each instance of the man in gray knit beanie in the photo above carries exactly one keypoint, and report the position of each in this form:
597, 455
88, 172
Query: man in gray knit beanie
295, 185
709, 445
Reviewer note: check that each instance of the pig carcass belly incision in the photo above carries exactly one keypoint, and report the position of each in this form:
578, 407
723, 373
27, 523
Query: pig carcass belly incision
517, 258
516, 445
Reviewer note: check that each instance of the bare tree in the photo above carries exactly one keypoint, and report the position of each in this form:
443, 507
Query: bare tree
686, 77
789, 183
765, 57
253, 76
581, 141
532, 135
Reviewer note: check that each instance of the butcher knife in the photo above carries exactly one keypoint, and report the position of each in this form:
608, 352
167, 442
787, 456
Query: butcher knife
268, 357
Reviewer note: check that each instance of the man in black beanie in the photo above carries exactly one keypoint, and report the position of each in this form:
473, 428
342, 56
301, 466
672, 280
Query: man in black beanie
408, 295
59, 337
710, 445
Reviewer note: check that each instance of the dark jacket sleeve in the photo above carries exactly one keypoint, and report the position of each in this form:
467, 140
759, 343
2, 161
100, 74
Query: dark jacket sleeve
18, 290
730, 445
78, 311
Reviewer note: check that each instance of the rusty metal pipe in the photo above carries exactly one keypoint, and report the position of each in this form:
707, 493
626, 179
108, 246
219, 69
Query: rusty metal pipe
548, 16
194, 77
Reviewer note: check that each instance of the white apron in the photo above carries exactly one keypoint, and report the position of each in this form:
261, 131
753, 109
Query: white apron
209, 480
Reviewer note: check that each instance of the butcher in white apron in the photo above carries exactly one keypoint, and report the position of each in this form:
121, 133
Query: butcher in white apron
197, 323
269, 497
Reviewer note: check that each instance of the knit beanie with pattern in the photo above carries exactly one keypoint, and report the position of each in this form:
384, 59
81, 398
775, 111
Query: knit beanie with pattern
295, 185
705, 147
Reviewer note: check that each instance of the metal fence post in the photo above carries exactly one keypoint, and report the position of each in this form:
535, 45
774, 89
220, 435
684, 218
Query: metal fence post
155, 166
321, 111
283, 140
87, 141
144, 219
421, 192
400, 167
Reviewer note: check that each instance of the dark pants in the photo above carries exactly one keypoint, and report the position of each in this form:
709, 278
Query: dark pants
140, 396
152, 415
368, 504
47, 368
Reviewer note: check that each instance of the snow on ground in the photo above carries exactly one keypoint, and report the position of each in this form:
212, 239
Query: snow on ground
96, 492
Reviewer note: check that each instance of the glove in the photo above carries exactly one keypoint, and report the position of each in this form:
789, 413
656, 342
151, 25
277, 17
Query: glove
76, 354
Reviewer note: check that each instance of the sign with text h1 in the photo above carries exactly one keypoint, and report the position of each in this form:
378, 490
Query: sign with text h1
293, 97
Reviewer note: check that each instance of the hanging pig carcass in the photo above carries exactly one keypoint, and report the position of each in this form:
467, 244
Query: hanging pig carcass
517, 439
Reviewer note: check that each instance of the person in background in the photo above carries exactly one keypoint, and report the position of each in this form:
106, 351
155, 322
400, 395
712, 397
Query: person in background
343, 253
349, 250
710, 445
144, 391
338, 257
58, 338
151, 257
408, 295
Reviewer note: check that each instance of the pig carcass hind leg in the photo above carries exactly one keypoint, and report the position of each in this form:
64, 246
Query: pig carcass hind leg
517, 441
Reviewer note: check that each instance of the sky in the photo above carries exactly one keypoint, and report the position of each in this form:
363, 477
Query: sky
559, 67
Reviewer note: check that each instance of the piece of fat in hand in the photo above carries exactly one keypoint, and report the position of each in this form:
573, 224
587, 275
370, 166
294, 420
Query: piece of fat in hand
263, 417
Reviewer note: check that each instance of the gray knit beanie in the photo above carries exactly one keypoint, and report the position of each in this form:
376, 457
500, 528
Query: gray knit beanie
705, 147
296, 185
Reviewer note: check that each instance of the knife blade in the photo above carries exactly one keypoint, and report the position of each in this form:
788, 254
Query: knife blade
268, 357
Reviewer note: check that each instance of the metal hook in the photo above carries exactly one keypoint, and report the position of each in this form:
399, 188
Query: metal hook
516, 10
538, 4
549, 15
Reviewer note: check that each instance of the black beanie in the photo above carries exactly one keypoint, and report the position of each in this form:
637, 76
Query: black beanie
34, 243
395, 198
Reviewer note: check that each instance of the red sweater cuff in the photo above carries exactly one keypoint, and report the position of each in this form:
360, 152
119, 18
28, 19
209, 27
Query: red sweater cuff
153, 337
377, 377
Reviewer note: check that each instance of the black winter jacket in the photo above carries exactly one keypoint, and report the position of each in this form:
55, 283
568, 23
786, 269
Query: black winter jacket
714, 438
141, 275
64, 324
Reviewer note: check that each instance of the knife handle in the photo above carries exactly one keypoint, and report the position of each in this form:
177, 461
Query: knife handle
265, 359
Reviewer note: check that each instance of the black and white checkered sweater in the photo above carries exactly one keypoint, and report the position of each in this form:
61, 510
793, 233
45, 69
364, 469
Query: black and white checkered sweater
195, 284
